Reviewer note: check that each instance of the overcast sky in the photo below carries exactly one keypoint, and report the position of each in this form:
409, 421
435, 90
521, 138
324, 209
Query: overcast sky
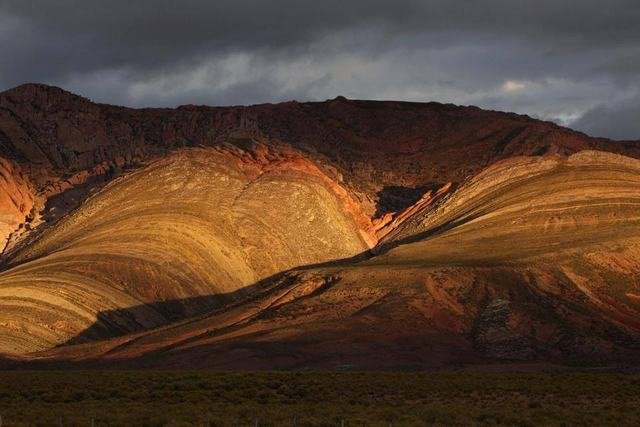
574, 62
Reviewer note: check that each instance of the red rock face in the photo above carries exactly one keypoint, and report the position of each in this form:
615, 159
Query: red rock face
16, 199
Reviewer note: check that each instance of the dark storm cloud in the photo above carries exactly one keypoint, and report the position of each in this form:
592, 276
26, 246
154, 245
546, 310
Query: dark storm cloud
618, 121
558, 60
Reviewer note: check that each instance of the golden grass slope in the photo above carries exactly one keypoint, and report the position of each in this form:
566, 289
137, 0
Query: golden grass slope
200, 222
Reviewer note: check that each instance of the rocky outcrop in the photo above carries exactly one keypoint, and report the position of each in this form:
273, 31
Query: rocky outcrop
17, 201
393, 220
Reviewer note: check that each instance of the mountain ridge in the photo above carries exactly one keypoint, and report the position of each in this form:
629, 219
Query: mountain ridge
60, 140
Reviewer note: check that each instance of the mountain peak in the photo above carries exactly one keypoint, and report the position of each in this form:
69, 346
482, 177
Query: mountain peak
41, 94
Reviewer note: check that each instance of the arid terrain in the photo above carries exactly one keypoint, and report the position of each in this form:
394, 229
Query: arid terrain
326, 235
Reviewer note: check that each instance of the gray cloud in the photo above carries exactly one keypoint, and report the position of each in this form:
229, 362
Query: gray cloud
550, 59
618, 120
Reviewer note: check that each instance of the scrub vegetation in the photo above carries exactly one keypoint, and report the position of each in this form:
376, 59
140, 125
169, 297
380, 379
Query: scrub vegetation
145, 398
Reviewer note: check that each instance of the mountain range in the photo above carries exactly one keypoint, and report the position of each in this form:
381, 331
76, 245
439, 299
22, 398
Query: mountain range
322, 235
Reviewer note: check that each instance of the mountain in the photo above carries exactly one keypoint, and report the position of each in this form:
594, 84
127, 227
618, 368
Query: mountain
322, 234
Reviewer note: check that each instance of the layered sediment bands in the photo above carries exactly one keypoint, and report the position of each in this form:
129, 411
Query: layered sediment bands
17, 200
525, 207
198, 223
393, 221
534, 259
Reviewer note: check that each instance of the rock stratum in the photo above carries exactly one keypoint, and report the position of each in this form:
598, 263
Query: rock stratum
197, 223
330, 234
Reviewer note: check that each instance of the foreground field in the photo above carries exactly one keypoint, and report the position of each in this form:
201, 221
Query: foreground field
317, 399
